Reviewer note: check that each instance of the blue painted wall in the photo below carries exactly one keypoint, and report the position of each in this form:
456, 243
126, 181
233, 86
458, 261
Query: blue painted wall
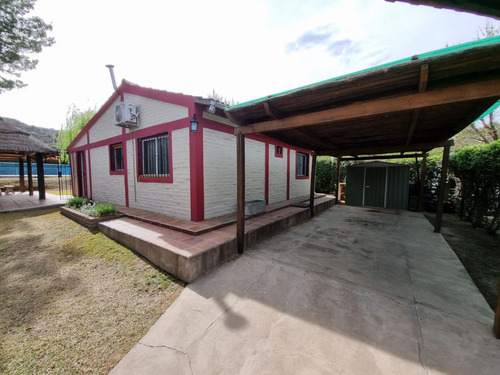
8, 168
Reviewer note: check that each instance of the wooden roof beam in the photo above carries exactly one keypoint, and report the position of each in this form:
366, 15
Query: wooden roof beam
422, 86
423, 147
234, 119
310, 137
355, 158
447, 95
272, 111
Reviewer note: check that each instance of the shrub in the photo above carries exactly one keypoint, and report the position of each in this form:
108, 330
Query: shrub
478, 169
76, 202
326, 174
91, 208
105, 209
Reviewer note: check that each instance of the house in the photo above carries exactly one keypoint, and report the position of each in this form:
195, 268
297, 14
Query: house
175, 154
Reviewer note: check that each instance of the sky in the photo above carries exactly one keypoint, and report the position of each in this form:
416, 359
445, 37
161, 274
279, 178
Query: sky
241, 49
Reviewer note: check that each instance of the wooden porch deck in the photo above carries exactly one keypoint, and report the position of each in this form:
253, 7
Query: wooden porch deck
189, 250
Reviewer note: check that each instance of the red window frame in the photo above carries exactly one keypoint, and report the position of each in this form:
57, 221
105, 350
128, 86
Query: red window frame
306, 156
278, 151
112, 159
151, 178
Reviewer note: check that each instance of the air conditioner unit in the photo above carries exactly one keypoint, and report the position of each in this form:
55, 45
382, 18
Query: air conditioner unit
126, 114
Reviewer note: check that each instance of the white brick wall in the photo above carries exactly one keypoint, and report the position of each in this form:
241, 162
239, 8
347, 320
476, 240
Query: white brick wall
255, 170
298, 187
105, 126
105, 187
154, 112
82, 141
151, 112
219, 163
171, 199
277, 175
219, 168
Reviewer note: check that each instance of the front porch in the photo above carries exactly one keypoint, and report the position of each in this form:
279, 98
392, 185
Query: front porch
187, 249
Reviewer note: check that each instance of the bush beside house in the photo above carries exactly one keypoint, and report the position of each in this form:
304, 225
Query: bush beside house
478, 169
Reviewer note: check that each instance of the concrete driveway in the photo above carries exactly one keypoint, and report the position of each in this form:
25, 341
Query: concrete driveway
352, 291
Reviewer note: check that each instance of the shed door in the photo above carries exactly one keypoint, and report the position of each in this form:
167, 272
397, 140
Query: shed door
355, 186
375, 180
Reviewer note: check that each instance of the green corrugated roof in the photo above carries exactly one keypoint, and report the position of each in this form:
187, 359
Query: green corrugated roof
439, 52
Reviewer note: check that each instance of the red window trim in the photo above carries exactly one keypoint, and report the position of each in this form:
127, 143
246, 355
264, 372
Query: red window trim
164, 179
112, 171
276, 151
297, 163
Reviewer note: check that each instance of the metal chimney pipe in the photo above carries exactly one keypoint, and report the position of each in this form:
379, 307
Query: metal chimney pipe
110, 67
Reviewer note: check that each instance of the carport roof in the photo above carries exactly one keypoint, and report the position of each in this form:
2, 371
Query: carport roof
414, 104
483, 7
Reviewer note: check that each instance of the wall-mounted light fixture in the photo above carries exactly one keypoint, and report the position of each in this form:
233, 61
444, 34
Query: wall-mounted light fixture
194, 124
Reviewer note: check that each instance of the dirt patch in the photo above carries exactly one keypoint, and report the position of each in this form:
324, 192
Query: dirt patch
72, 301
478, 251
53, 184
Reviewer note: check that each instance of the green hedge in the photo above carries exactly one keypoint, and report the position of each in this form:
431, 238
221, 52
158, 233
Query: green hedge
478, 169
326, 174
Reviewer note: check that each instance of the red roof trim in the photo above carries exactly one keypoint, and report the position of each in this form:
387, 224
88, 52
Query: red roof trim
131, 88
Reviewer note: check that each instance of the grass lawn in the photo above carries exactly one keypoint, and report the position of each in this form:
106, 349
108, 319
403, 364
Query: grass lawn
72, 301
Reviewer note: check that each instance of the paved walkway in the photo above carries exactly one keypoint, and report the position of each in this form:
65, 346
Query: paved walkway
351, 291
23, 201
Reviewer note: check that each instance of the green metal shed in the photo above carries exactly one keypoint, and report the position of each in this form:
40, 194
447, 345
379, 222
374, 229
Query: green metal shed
378, 184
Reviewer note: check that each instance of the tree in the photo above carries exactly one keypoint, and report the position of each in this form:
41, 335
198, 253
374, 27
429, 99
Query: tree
75, 122
486, 129
216, 96
483, 131
19, 36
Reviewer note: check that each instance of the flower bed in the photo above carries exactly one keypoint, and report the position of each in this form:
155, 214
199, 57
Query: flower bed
88, 213
86, 220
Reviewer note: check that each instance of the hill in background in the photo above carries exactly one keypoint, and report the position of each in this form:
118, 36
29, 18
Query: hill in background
44, 135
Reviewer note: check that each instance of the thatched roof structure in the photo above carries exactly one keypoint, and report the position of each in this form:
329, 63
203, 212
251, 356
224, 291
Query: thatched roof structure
15, 143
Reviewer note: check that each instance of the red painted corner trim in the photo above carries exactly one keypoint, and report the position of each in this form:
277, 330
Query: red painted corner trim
125, 166
90, 168
288, 175
266, 178
197, 184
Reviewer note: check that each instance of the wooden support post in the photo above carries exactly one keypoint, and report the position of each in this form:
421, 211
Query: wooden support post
240, 195
40, 176
337, 192
22, 186
30, 174
312, 177
423, 173
442, 189
496, 324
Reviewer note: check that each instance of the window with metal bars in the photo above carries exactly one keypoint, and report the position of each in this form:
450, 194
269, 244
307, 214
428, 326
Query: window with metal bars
155, 156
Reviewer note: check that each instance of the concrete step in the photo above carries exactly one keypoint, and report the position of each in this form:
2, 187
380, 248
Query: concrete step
185, 256
188, 256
